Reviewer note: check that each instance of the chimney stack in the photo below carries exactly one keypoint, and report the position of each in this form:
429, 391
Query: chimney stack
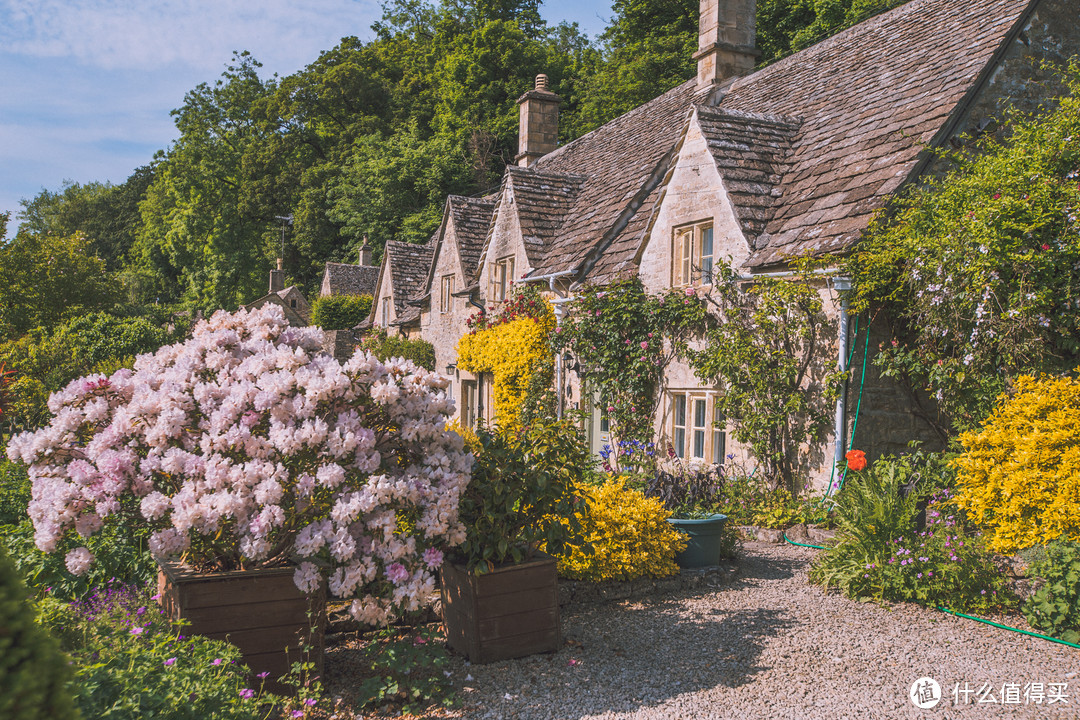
726, 40
277, 277
365, 253
538, 126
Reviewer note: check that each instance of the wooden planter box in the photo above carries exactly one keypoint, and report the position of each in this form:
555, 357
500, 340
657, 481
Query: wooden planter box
508, 613
262, 612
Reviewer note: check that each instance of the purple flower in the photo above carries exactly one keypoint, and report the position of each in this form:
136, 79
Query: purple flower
297, 714
217, 661
170, 662
397, 573
433, 557
310, 702
138, 630
247, 693
263, 675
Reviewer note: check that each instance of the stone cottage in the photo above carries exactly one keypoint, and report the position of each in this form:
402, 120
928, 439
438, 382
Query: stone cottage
749, 165
346, 279
290, 299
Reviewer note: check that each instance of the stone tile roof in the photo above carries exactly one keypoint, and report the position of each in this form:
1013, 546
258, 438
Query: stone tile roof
751, 153
409, 265
544, 202
869, 97
616, 160
345, 279
471, 218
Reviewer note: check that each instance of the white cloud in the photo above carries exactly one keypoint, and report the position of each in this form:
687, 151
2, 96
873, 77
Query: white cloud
147, 35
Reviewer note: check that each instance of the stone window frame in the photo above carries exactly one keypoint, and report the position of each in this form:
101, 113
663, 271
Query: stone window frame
693, 266
446, 293
502, 277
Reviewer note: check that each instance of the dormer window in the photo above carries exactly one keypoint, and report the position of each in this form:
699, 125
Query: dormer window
692, 255
502, 275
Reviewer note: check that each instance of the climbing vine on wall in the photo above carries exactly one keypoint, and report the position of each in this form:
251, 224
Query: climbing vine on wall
624, 339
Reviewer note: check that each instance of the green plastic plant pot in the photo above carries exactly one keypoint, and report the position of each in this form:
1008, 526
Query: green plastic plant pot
705, 538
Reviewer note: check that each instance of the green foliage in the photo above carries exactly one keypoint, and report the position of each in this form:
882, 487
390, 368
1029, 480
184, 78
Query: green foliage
385, 346
978, 271
524, 493
107, 214
340, 312
130, 662
1054, 609
624, 339
45, 360
47, 279
405, 668
33, 671
627, 537
768, 355
881, 554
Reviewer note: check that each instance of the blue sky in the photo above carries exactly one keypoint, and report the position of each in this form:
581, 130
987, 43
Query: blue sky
86, 86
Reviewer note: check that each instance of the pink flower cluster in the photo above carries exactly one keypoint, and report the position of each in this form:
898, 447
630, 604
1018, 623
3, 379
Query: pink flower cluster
247, 446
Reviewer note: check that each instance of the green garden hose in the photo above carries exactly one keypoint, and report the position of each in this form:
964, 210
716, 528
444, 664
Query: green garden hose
964, 615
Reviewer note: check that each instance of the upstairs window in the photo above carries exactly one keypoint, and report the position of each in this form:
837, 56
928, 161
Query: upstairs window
386, 312
692, 255
446, 293
502, 275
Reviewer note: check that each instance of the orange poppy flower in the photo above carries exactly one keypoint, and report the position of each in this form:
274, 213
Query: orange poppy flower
856, 460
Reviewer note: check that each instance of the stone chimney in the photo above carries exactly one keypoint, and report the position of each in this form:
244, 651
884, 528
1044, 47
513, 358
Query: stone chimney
726, 35
277, 277
365, 253
538, 128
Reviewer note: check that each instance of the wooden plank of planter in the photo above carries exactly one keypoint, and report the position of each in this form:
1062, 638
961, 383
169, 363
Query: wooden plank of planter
495, 605
508, 624
238, 591
514, 646
245, 617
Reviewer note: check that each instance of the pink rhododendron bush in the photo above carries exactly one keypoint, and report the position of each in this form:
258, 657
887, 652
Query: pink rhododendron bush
247, 447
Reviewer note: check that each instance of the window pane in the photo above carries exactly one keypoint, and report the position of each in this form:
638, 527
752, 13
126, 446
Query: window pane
706, 254
699, 444
699, 414
680, 442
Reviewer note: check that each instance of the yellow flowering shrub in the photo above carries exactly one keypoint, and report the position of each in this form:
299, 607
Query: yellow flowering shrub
630, 537
1019, 476
511, 352
472, 440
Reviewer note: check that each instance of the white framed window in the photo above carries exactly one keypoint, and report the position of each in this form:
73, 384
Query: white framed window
692, 254
678, 424
697, 427
502, 276
469, 403
699, 433
446, 293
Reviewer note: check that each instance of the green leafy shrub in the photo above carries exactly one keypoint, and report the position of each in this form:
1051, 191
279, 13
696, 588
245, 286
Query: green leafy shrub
880, 553
1019, 475
340, 312
524, 494
1055, 607
131, 662
405, 667
628, 534
33, 671
385, 346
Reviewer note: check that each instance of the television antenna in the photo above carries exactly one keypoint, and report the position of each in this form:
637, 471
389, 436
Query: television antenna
285, 220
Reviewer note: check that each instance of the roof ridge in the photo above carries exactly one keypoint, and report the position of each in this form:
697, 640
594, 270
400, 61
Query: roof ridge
784, 121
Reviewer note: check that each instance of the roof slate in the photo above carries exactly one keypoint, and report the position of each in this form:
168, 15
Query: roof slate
471, 217
409, 266
869, 97
348, 279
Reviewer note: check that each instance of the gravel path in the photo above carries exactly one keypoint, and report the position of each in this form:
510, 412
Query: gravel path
769, 645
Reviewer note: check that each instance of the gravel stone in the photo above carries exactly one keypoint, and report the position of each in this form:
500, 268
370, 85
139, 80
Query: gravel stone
767, 644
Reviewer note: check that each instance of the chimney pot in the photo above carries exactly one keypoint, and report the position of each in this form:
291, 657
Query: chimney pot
541, 82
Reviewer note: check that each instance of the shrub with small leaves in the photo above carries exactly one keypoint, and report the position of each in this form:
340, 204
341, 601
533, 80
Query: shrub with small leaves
33, 671
629, 535
406, 668
1055, 607
1019, 476
386, 347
